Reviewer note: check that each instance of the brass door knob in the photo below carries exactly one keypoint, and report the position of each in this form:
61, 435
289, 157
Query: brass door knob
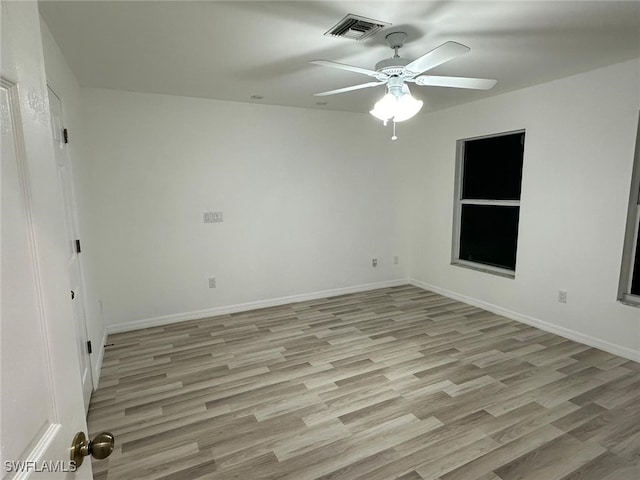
100, 447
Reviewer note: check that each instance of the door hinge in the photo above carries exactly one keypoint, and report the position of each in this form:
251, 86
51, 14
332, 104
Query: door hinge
65, 135
89, 349
78, 249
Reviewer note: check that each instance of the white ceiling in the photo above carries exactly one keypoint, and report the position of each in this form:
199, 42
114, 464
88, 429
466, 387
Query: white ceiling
232, 50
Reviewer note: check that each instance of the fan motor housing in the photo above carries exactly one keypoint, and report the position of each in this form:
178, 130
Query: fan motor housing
392, 66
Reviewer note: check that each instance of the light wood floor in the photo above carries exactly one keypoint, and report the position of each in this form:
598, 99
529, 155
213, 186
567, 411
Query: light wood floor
398, 383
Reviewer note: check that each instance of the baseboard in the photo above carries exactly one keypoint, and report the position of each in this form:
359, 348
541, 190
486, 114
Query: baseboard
274, 302
243, 307
100, 359
535, 322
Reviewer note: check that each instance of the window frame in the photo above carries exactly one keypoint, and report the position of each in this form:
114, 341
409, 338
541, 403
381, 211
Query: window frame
632, 232
459, 202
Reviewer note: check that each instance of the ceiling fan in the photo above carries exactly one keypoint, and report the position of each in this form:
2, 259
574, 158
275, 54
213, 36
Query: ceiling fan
396, 72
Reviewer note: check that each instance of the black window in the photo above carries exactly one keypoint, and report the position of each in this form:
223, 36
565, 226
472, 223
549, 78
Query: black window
488, 200
635, 277
629, 288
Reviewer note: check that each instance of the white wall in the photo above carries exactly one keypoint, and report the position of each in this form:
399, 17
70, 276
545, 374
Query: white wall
306, 196
579, 146
63, 82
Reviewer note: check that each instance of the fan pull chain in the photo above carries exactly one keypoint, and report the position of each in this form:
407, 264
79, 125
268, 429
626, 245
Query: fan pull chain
394, 137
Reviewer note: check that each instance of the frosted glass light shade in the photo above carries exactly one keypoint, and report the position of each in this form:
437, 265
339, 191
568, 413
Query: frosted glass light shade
385, 108
406, 107
399, 109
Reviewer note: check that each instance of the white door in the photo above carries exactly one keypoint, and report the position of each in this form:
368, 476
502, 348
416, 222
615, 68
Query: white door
41, 398
65, 180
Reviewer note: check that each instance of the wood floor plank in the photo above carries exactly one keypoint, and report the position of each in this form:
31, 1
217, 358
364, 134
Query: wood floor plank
396, 383
552, 461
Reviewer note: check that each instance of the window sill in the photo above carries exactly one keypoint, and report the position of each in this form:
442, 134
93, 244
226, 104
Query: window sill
630, 300
479, 267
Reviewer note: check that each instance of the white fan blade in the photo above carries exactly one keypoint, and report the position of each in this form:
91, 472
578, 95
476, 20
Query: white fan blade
349, 68
348, 89
456, 82
439, 55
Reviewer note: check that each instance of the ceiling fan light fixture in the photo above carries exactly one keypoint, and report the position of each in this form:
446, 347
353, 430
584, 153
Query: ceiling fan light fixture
398, 104
398, 108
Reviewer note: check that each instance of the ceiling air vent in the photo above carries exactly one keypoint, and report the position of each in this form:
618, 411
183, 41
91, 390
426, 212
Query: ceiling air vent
356, 27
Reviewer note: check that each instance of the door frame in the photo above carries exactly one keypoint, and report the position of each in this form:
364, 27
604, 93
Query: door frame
73, 231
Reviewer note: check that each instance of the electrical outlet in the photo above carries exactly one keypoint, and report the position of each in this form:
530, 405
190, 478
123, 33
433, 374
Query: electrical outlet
374, 262
212, 217
562, 296
212, 282
396, 260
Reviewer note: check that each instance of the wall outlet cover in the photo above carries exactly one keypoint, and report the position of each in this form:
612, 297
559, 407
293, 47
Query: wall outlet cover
212, 217
562, 296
